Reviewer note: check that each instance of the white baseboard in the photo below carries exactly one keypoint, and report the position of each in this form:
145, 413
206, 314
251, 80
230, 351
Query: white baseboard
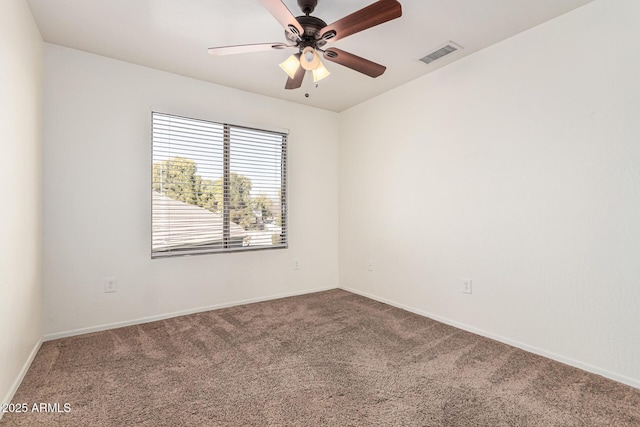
550, 355
14, 387
98, 328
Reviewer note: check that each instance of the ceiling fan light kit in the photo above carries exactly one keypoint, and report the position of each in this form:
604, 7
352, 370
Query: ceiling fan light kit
310, 34
319, 73
290, 66
309, 59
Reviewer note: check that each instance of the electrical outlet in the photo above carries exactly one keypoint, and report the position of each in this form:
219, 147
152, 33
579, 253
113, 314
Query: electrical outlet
110, 284
296, 264
370, 265
466, 286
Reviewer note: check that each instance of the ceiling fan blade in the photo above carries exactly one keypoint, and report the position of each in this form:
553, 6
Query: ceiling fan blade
279, 11
246, 48
296, 81
354, 62
370, 16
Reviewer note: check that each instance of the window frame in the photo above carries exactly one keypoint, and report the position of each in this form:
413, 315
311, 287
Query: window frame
227, 243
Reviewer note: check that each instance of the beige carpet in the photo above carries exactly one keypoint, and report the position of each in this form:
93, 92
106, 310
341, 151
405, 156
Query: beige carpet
326, 359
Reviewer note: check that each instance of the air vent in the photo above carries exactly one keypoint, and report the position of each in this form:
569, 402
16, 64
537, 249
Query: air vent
439, 53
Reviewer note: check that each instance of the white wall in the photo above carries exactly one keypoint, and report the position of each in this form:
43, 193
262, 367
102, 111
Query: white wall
20, 206
97, 173
517, 167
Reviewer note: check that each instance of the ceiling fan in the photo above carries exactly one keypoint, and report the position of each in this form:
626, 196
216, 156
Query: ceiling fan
310, 34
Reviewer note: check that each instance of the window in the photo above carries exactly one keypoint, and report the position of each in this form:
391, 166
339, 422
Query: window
216, 187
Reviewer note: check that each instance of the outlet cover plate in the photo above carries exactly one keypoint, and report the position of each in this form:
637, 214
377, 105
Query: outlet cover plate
467, 286
110, 284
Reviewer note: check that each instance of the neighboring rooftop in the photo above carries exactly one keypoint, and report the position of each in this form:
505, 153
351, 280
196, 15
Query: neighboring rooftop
179, 225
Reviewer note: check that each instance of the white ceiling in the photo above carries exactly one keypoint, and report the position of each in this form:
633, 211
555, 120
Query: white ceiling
173, 35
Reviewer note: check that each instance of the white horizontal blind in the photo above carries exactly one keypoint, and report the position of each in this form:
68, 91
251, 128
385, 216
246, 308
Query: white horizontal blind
216, 187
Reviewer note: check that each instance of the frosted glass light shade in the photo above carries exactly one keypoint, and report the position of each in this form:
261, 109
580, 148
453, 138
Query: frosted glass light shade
309, 58
320, 72
290, 66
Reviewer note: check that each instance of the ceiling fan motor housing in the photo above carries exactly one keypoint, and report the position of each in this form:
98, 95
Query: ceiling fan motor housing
312, 27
